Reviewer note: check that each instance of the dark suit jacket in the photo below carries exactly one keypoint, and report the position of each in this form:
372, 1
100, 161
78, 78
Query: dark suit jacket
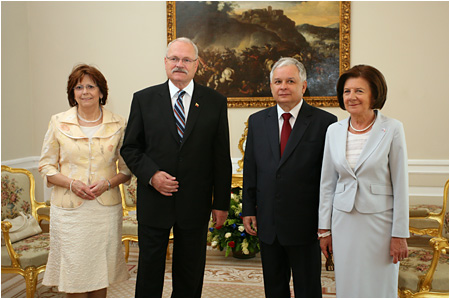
284, 193
201, 163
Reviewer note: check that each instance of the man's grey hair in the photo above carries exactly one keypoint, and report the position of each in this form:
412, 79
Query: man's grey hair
284, 61
184, 40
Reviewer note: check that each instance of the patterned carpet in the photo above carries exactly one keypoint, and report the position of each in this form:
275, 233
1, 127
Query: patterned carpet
225, 277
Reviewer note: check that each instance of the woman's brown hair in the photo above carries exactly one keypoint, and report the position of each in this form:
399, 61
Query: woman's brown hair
375, 79
78, 72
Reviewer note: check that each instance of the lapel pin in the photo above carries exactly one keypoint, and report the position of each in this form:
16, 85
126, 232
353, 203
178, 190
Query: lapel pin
197, 105
384, 130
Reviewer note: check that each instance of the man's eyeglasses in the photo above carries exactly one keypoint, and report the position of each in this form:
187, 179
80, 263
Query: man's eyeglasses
175, 60
81, 87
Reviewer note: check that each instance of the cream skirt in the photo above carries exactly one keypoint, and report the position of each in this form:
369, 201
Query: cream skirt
85, 248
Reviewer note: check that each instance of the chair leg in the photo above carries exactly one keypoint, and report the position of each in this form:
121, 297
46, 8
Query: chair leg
167, 252
127, 249
31, 281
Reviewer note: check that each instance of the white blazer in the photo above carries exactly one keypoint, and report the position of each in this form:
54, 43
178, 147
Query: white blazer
379, 181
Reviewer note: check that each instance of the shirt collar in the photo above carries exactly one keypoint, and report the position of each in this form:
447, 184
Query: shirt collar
174, 90
294, 111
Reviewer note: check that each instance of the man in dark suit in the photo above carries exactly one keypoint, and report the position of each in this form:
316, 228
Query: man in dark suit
177, 145
282, 166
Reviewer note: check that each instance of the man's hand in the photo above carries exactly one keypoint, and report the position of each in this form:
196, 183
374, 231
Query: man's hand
399, 249
164, 183
219, 217
250, 225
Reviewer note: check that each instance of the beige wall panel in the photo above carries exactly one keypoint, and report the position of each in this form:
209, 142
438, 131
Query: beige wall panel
408, 42
428, 180
42, 41
17, 106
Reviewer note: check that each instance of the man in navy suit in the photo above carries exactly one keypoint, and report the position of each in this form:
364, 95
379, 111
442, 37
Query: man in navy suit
177, 145
282, 167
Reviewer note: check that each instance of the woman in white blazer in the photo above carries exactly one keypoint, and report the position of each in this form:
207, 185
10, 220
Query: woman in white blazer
363, 213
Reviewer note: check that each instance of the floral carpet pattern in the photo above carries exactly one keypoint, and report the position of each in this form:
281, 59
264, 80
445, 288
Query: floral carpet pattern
225, 277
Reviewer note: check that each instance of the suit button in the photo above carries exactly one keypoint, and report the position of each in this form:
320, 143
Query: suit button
278, 176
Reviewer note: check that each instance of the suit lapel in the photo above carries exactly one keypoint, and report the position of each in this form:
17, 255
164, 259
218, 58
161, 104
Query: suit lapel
165, 105
299, 129
271, 126
376, 135
194, 111
68, 124
341, 145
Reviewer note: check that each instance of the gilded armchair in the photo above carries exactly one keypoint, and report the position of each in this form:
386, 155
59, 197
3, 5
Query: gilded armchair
425, 272
27, 257
130, 223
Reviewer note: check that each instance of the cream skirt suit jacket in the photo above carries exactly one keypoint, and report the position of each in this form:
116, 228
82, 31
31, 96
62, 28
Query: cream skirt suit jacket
364, 207
66, 149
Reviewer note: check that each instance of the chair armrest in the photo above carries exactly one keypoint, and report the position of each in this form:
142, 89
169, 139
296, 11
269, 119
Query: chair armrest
420, 213
42, 205
439, 244
43, 217
6, 226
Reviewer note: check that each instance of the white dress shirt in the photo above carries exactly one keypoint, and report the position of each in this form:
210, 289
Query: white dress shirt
186, 98
294, 112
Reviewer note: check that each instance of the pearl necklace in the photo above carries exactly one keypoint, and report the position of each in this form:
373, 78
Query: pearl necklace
351, 126
91, 121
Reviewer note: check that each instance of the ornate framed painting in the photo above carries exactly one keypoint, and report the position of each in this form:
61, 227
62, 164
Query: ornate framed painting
239, 41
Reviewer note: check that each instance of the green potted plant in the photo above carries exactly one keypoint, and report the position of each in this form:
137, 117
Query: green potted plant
232, 236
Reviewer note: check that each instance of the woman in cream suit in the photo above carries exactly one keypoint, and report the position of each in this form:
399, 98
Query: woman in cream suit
79, 156
363, 213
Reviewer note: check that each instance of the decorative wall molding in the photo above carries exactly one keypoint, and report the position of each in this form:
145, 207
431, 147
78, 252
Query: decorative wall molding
29, 163
418, 194
414, 166
428, 166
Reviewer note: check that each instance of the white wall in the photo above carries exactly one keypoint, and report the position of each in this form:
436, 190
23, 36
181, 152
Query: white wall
42, 41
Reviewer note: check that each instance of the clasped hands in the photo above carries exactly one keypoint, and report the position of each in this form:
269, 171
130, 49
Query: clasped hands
89, 192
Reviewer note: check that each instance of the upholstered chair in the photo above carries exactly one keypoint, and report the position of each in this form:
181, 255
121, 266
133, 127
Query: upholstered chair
27, 257
130, 224
425, 272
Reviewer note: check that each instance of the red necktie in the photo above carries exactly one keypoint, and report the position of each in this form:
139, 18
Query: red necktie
285, 132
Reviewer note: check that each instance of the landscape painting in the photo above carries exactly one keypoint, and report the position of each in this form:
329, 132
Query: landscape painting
239, 41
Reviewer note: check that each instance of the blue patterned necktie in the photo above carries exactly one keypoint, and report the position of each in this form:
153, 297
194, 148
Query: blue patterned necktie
180, 118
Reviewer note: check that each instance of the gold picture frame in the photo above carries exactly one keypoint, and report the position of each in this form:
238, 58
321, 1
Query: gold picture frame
267, 101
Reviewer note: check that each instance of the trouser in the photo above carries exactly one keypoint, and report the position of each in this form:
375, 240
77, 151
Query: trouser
188, 261
303, 261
